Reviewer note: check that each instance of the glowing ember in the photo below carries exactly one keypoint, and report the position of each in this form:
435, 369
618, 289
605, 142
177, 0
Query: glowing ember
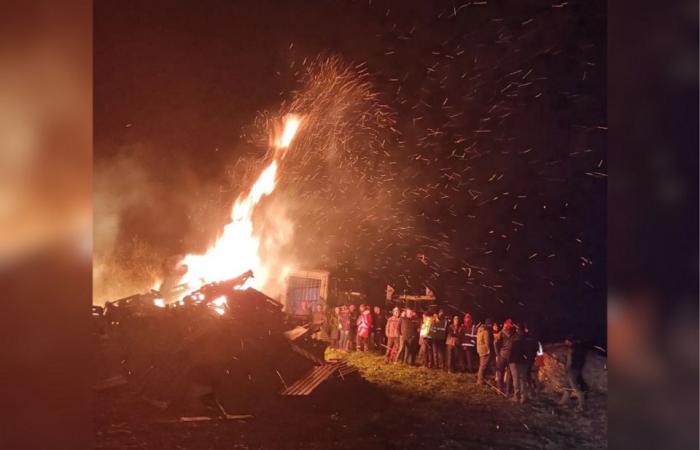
238, 248
159, 302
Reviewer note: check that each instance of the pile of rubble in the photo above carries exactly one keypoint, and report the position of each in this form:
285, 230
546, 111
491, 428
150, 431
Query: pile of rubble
222, 353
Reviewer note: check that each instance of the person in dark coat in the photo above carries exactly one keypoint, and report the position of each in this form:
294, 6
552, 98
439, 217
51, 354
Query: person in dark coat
407, 333
354, 314
379, 324
412, 332
452, 343
522, 357
438, 335
467, 340
503, 345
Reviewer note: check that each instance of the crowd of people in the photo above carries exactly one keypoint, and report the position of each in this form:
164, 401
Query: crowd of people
507, 352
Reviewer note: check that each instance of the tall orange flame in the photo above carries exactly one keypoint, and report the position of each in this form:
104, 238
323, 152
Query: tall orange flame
238, 248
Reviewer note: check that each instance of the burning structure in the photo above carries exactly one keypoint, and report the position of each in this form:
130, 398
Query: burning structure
212, 335
223, 349
238, 248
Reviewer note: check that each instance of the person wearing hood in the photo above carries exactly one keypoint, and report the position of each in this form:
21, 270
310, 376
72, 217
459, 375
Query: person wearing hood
364, 325
484, 348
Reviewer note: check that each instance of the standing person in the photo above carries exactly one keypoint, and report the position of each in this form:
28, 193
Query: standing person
468, 344
452, 342
531, 379
364, 325
426, 345
405, 331
438, 334
392, 334
334, 327
379, 324
344, 328
318, 321
503, 345
574, 360
352, 311
496, 332
484, 347
411, 338
522, 356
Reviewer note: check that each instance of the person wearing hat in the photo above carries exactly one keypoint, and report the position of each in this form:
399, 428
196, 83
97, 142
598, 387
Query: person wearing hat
484, 347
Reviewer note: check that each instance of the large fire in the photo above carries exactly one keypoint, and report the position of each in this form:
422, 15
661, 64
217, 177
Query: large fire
238, 249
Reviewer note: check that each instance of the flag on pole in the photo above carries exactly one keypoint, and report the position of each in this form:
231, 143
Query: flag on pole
389, 291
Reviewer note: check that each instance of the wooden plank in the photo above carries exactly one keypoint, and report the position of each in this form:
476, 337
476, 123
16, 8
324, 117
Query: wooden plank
311, 381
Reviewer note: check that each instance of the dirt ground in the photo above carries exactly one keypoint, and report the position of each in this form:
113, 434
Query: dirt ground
379, 407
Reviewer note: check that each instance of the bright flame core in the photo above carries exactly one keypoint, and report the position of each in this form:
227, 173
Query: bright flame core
238, 248
219, 304
291, 126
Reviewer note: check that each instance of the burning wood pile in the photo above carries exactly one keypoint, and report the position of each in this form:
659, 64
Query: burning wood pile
222, 352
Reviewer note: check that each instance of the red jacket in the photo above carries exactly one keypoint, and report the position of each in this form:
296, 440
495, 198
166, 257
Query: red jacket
364, 323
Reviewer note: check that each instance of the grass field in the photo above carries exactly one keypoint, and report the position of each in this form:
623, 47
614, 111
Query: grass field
453, 412
378, 407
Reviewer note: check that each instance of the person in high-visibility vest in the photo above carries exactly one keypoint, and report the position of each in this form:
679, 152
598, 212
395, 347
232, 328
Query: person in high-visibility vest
425, 341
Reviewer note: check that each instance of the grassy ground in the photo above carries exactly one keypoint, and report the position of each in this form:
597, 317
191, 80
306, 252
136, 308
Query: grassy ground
457, 413
379, 407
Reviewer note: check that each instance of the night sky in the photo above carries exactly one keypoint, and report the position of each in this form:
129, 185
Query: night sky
490, 186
